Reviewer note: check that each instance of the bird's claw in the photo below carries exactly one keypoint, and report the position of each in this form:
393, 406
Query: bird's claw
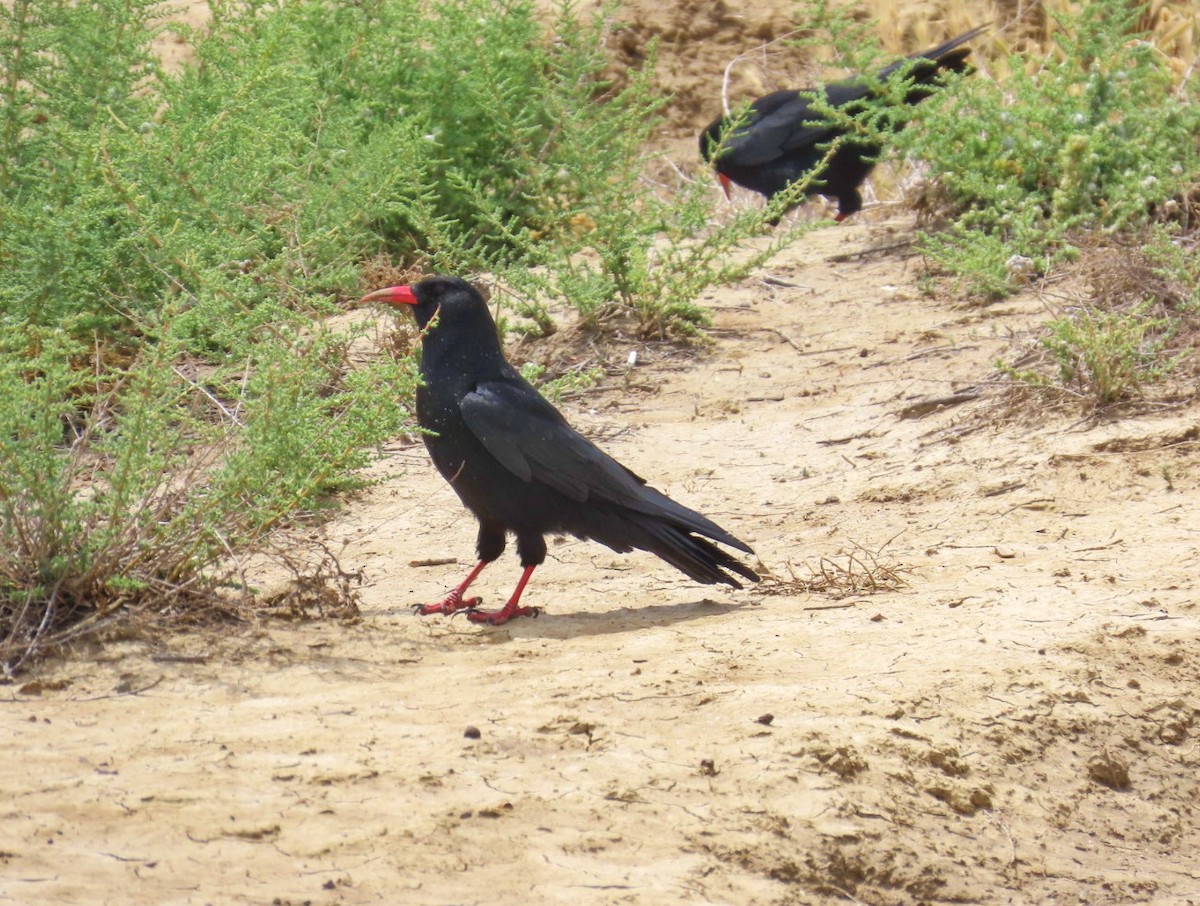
499, 617
449, 606
470, 607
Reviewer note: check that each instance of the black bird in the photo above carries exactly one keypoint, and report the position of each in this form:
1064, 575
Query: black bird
784, 140
519, 467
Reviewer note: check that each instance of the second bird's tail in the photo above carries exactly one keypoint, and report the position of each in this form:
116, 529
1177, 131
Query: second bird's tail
924, 67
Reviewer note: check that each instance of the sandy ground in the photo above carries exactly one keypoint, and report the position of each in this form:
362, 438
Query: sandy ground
1015, 725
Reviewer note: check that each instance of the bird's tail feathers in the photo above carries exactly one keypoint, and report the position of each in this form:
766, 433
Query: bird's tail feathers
925, 66
696, 557
942, 54
657, 505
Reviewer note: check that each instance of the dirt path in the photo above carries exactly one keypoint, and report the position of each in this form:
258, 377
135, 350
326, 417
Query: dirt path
1017, 725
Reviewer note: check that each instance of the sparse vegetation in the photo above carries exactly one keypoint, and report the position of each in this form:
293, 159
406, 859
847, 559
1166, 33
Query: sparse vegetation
1128, 330
857, 572
1097, 138
170, 242
570, 382
1102, 356
170, 245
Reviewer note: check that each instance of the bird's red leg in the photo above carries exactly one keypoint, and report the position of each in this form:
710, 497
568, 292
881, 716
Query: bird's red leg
509, 610
454, 601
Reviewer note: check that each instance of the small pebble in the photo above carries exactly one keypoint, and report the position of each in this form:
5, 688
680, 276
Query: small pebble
472, 733
766, 719
1109, 772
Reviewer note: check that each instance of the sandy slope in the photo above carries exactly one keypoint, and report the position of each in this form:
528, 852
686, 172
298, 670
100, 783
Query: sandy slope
956, 740
950, 741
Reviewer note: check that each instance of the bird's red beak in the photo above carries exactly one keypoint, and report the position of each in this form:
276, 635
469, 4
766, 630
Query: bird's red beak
724, 180
392, 295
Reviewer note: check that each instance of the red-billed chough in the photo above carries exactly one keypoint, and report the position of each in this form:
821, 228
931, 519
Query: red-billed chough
784, 139
519, 467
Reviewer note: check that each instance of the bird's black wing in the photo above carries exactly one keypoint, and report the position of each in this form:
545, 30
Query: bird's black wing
784, 121
789, 124
777, 123
532, 440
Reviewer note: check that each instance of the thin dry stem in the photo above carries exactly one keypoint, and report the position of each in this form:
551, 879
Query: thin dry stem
857, 571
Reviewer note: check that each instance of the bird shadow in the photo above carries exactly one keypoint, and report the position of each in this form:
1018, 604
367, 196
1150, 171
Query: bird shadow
567, 625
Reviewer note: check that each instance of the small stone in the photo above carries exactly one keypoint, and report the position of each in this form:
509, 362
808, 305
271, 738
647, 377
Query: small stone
1109, 772
1173, 733
765, 719
1020, 269
472, 733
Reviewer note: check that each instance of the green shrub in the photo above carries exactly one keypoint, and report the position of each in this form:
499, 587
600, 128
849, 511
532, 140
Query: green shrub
1095, 138
1135, 323
137, 500
604, 238
167, 398
1086, 160
1107, 356
169, 242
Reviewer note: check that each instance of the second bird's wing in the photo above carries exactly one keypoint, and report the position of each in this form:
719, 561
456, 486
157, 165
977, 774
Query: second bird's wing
784, 122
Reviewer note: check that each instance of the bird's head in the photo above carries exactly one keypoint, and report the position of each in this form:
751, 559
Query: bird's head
451, 313
448, 297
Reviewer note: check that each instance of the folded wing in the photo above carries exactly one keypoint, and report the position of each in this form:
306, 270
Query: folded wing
533, 441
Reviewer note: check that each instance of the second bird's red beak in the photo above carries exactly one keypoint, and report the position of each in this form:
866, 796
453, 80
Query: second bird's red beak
724, 180
392, 295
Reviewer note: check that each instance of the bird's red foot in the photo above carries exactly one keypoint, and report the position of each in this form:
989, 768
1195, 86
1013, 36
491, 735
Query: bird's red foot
451, 604
503, 615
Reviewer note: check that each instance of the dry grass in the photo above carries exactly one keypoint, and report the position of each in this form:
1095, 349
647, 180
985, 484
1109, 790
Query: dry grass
1115, 277
1024, 27
854, 572
310, 584
316, 584
1017, 26
1117, 270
